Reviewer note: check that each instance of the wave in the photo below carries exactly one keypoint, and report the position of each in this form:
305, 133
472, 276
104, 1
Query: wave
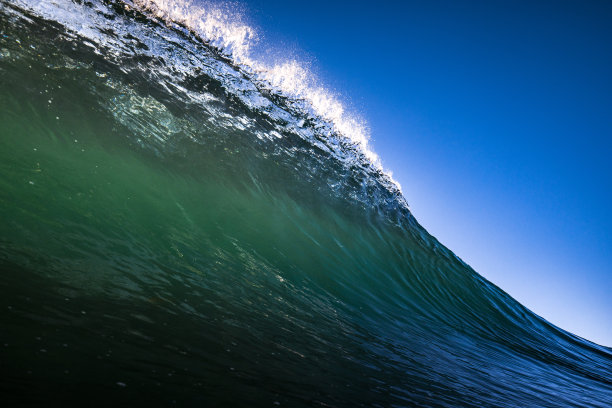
197, 225
212, 41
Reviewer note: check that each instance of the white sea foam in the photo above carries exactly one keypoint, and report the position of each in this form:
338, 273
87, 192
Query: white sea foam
221, 25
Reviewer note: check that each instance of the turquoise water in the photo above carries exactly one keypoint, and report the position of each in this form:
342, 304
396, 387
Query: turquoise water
175, 232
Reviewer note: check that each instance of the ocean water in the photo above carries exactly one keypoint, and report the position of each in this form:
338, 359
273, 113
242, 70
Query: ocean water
182, 224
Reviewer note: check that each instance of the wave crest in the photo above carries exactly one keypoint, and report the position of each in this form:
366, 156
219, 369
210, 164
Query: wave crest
220, 26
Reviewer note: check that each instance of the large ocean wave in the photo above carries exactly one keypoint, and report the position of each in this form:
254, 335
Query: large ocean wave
184, 222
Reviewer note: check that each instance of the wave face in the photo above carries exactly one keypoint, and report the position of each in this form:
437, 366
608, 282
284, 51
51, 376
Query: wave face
181, 224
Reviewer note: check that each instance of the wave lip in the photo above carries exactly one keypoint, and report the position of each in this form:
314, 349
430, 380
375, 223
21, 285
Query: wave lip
219, 26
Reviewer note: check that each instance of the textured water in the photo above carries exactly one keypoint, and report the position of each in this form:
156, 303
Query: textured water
181, 225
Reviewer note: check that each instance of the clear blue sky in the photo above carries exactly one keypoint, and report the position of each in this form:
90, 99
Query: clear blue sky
496, 118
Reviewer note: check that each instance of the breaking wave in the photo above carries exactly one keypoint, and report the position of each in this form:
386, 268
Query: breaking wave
183, 222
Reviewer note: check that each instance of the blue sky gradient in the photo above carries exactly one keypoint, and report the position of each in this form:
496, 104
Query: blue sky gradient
496, 118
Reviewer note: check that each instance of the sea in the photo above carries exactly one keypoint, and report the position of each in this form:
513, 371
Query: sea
185, 224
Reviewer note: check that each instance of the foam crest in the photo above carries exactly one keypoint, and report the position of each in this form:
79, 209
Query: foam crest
221, 26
